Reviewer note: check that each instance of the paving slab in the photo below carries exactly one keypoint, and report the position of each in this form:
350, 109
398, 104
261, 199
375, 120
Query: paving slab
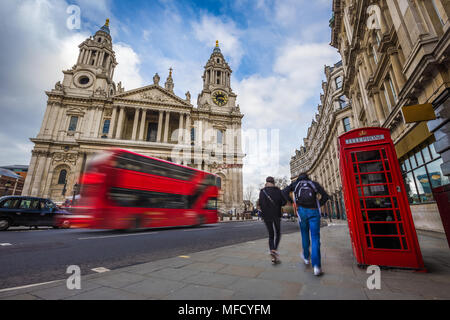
244, 271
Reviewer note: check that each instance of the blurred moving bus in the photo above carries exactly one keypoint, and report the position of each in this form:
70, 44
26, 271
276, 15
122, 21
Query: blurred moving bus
125, 190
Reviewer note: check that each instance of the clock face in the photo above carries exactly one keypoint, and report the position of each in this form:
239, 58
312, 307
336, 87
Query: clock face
220, 98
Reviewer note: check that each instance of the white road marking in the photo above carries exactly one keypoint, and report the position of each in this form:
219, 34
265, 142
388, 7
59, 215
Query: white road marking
29, 286
100, 270
119, 235
5, 244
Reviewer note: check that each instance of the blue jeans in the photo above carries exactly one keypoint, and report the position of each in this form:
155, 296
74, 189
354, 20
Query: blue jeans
310, 222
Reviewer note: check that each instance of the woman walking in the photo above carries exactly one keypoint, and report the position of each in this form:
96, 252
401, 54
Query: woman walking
271, 199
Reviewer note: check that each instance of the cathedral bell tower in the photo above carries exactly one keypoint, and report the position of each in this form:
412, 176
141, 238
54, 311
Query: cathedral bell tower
93, 73
216, 82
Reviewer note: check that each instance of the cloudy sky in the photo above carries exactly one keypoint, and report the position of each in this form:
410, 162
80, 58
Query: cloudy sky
277, 50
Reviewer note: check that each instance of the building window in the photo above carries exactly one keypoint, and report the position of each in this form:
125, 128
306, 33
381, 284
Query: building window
338, 82
62, 176
219, 136
391, 85
346, 122
374, 52
437, 11
192, 134
343, 102
388, 99
421, 170
73, 123
106, 124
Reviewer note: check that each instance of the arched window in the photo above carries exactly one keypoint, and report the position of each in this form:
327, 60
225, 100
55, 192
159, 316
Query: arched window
219, 182
62, 176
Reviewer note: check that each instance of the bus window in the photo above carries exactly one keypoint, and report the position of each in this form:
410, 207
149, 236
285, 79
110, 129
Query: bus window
211, 204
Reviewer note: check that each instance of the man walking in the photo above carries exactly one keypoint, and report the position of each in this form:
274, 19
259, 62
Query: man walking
309, 196
271, 200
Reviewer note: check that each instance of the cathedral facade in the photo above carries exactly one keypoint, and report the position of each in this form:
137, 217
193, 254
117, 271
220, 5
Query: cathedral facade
88, 113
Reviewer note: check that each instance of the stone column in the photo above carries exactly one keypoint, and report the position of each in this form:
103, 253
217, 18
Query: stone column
38, 175
113, 122
135, 123
143, 124
180, 128
379, 107
187, 130
120, 123
166, 127
160, 124
396, 67
98, 121
26, 191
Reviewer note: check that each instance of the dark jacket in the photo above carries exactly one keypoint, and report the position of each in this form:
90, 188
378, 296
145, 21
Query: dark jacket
271, 211
324, 197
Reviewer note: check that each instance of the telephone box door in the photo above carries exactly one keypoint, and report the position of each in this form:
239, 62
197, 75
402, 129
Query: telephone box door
382, 214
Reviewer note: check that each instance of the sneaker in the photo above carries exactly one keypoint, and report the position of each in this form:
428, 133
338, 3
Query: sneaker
275, 257
317, 271
306, 261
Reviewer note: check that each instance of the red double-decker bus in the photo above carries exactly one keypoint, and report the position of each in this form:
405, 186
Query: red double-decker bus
125, 190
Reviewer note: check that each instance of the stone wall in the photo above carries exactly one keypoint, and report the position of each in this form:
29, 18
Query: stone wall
426, 217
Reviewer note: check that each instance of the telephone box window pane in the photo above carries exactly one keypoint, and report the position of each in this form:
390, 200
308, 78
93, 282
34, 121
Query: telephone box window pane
381, 190
357, 180
411, 191
375, 203
423, 184
400, 227
371, 167
386, 242
353, 157
355, 168
366, 228
364, 215
398, 215
383, 229
373, 178
436, 177
405, 246
380, 215
368, 155
384, 153
368, 242
389, 177
386, 165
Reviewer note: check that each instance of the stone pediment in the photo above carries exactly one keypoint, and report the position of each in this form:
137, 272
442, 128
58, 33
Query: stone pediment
153, 94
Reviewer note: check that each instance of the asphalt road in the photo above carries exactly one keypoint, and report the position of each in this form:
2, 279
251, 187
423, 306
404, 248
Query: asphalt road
36, 256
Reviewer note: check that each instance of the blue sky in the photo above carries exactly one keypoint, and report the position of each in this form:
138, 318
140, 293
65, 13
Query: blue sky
277, 50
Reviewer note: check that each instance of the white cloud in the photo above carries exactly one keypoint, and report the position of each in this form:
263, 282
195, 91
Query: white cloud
40, 47
127, 71
280, 101
210, 29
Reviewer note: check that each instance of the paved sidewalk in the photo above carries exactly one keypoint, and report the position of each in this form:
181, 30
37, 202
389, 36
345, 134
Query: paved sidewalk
244, 271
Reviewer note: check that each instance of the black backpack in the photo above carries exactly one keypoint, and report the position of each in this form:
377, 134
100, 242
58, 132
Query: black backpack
305, 193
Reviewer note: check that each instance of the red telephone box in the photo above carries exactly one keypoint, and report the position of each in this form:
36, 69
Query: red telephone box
379, 217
